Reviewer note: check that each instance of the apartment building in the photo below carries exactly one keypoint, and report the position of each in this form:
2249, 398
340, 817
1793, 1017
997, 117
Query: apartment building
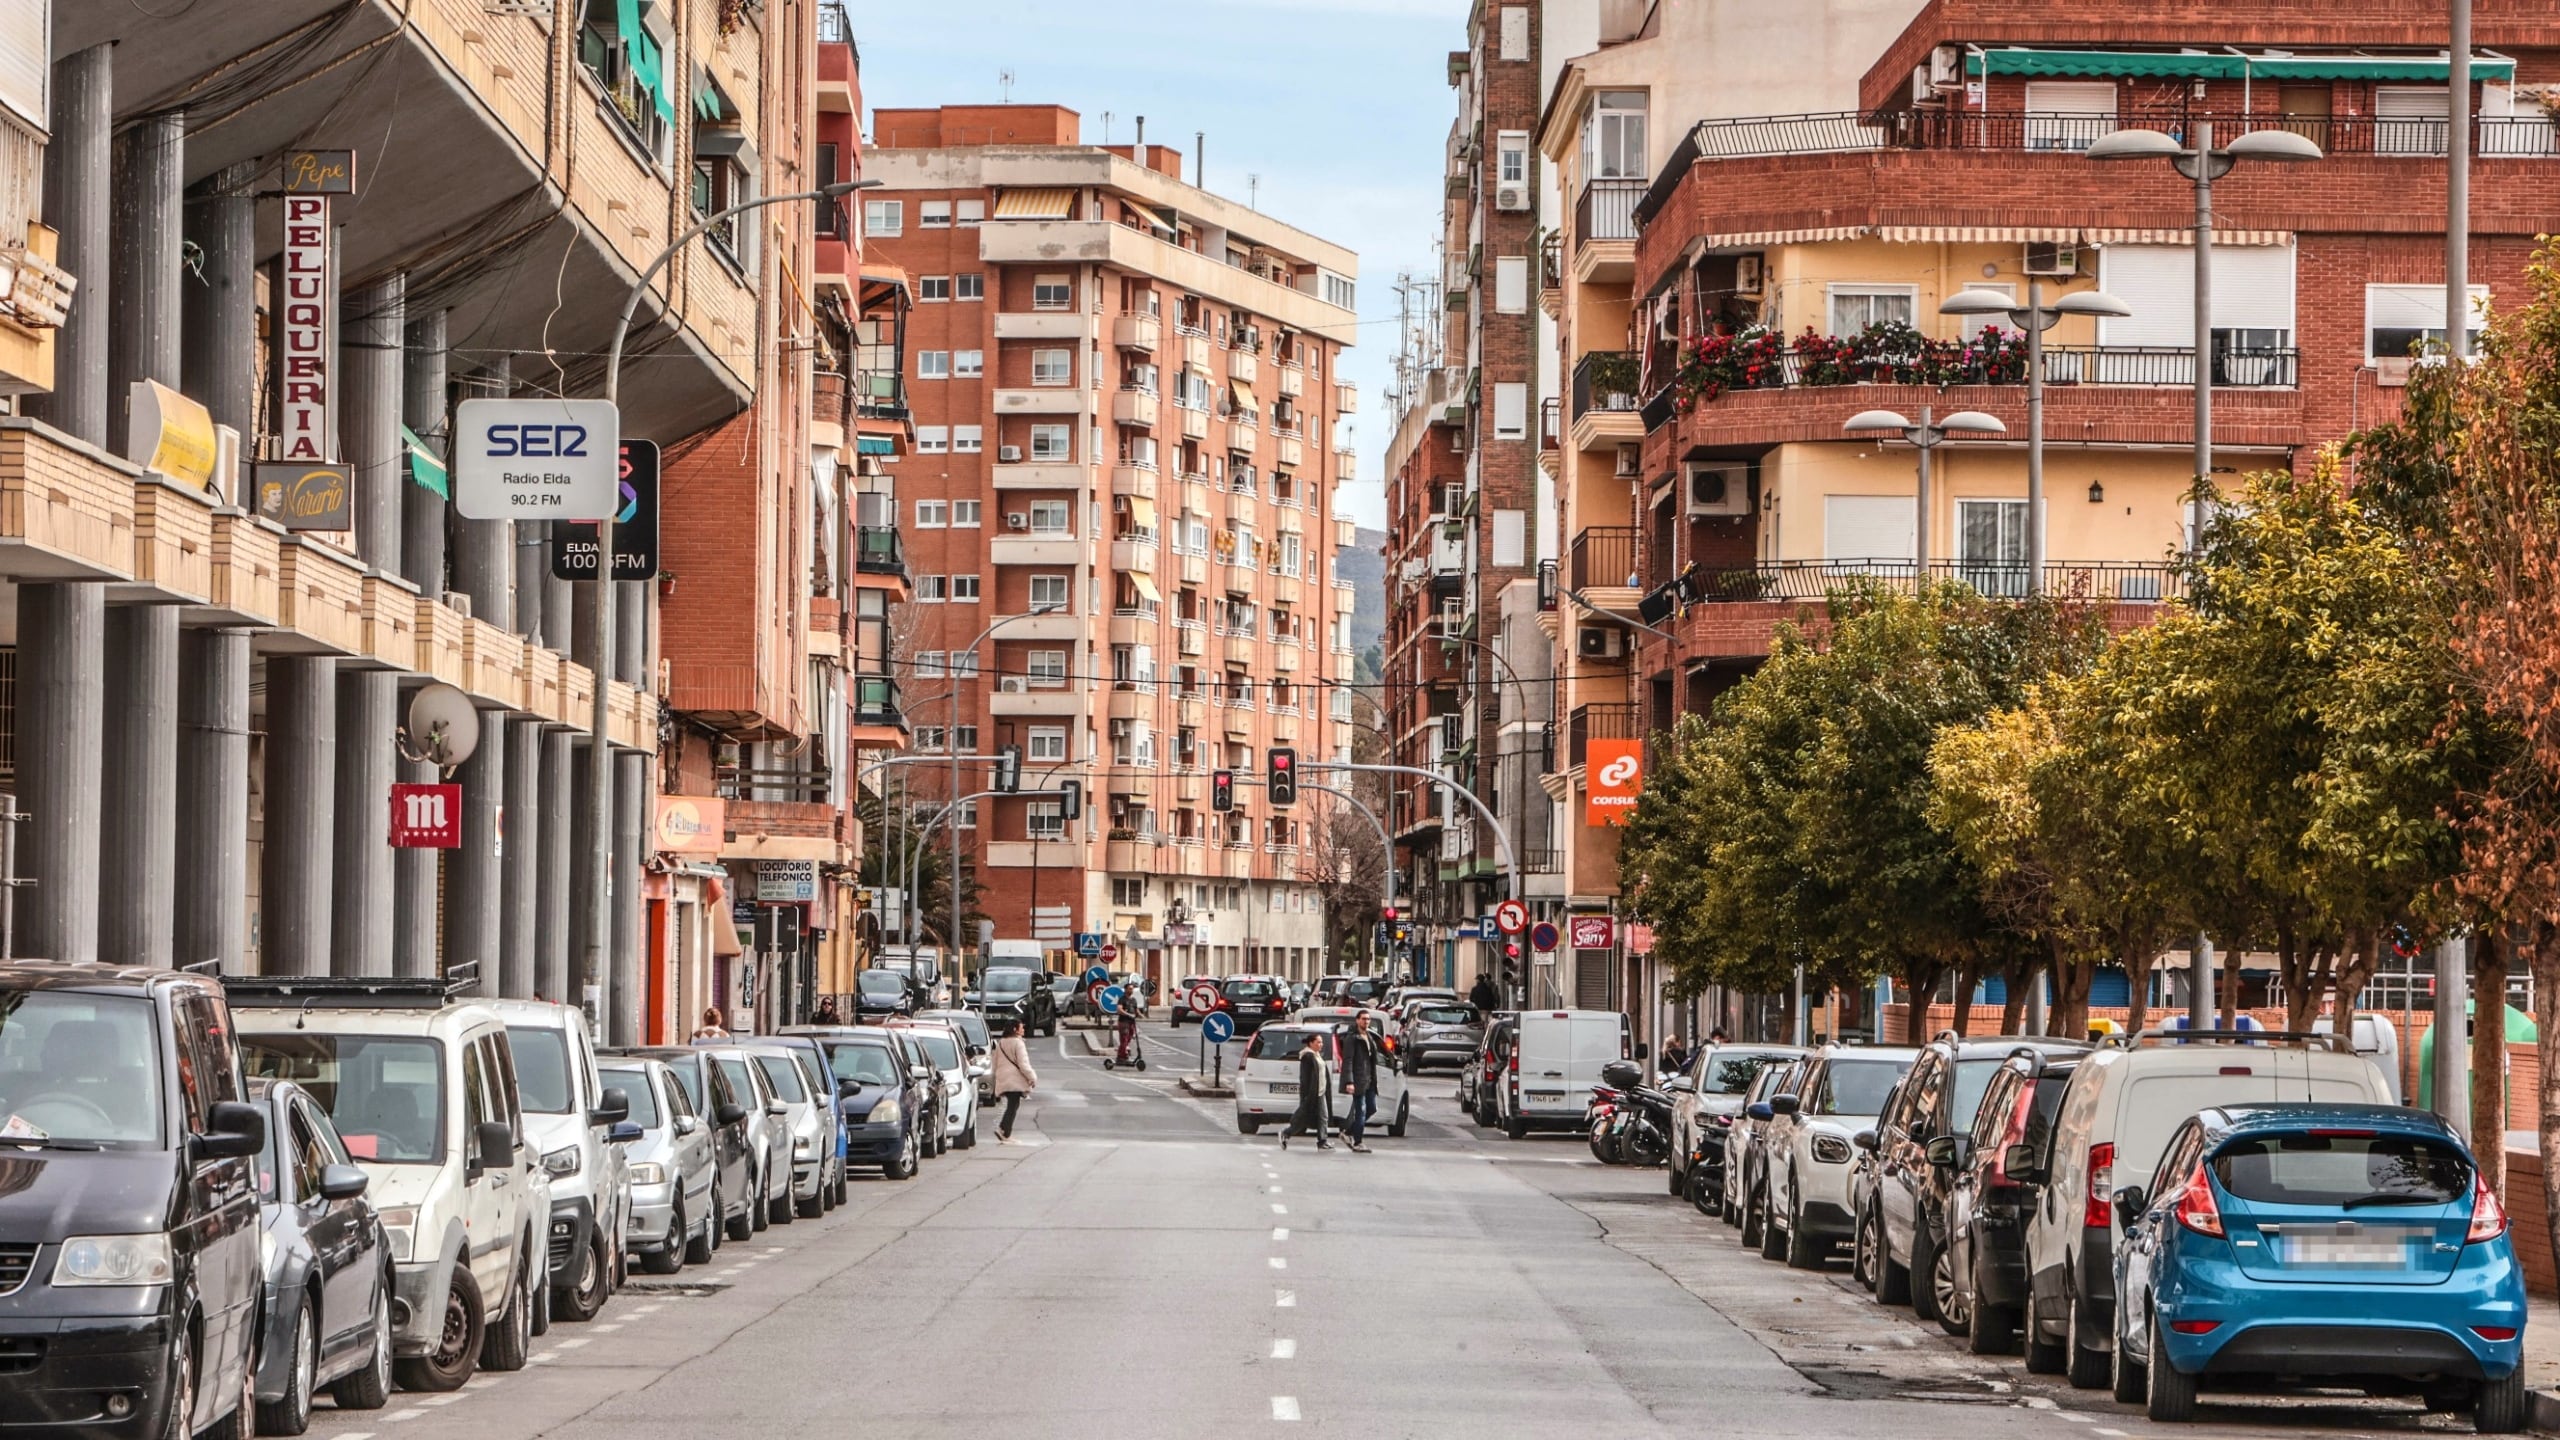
1119, 519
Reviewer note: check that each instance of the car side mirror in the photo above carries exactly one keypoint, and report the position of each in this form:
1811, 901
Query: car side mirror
2020, 1163
847, 1089
1864, 1140
1760, 1110
1946, 1152
686, 1125
776, 1107
2130, 1203
233, 1128
342, 1182
731, 1114
497, 1143
623, 1132
977, 1052
612, 1109
920, 1072
1783, 1104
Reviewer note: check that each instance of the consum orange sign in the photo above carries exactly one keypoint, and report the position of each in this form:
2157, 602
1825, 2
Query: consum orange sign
1613, 774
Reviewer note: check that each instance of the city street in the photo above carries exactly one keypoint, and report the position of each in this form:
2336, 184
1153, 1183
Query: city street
1136, 1268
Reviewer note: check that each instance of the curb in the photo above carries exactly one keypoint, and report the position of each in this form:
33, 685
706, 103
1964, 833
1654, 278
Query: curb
2542, 1410
1194, 1085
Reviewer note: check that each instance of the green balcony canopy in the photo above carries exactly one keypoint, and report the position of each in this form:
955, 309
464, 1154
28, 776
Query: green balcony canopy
2230, 65
424, 468
648, 62
878, 445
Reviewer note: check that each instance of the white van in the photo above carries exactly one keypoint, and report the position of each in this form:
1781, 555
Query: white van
1556, 1057
569, 1116
2124, 1102
422, 1088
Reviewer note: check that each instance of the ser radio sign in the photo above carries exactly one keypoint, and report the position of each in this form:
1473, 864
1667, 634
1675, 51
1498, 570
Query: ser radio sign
536, 459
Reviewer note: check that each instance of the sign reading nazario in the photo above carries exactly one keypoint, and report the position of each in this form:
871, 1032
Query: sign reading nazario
306, 318
536, 459
691, 823
307, 497
1614, 773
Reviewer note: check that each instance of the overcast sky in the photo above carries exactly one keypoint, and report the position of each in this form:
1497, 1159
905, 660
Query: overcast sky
1340, 106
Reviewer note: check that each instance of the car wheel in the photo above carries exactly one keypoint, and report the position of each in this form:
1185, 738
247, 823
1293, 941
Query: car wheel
290, 1413
1925, 1291
180, 1418
1247, 1125
2043, 1356
2085, 1364
759, 1209
1751, 1219
904, 1167
1862, 1252
1516, 1128
510, 1342
679, 1241
2126, 1381
1994, 1326
1699, 1199
582, 1299
2168, 1396
1804, 1252
1404, 1116
1773, 1236
457, 1351
2500, 1407
370, 1387
1893, 1282
541, 1324
1953, 1317
241, 1422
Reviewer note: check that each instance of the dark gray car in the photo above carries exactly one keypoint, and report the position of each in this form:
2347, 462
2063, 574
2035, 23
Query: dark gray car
327, 1315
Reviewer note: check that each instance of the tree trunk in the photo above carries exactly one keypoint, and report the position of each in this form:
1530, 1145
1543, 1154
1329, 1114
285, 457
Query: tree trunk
2071, 978
2014, 979
1968, 976
2137, 970
2544, 958
2489, 1056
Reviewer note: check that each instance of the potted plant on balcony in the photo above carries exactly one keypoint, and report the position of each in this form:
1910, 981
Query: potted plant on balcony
1613, 380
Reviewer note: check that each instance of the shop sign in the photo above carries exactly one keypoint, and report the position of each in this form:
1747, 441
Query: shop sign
787, 882
1614, 777
691, 823
1591, 932
426, 817
307, 497
306, 319
319, 172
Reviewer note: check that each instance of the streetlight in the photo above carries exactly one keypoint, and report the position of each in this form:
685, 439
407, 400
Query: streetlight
2035, 317
2203, 164
1046, 607
600, 633
1924, 437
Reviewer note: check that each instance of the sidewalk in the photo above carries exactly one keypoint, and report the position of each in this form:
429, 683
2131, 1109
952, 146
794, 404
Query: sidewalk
2542, 1360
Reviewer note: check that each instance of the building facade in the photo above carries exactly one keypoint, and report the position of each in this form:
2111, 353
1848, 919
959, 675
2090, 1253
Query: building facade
1118, 515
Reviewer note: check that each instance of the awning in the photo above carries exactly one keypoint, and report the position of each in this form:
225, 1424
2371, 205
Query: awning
424, 468
724, 935
1043, 203
2232, 65
1142, 511
877, 445
1145, 585
1988, 234
648, 62
1243, 395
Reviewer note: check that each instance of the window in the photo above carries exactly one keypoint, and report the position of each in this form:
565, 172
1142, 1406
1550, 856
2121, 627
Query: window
1053, 367
933, 364
968, 808
1047, 668
1510, 411
1052, 292
932, 439
2070, 114
964, 513
2410, 120
969, 212
2398, 317
965, 738
929, 589
1049, 591
964, 663
968, 440
933, 214
1869, 530
932, 514
929, 739
931, 665
968, 363
969, 287
1053, 442
1991, 545
1128, 894
609, 55
1613, 138
1855, 307
1511, 157
1049, 517
830, 169
884, 217
1338, 289
964, 591
720, 182
1044, 820
1511, 284
934, 287
1046, 743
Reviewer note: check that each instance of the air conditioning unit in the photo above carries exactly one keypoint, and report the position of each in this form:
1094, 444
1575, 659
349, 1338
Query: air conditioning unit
1749, 275
1511, 197
1016, 520
1630, 460
2046, 258
1719, 490
1944, 66
1012, 685
1009, 454
1600, 642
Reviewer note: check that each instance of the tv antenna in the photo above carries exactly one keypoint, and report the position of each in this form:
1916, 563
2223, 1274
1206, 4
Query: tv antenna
1253, 192
1004, 81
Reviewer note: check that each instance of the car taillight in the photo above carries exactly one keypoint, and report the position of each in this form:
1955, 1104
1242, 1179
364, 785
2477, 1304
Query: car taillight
1515, 1062
2494, 1332
2094, 1213
2488, 1217
2196, 1209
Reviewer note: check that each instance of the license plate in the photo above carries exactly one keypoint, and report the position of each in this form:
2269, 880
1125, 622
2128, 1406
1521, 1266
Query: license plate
1284, 1087
1546, 1094
2363, 1249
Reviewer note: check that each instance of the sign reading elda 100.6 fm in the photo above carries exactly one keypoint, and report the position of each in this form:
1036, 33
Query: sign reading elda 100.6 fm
536, 459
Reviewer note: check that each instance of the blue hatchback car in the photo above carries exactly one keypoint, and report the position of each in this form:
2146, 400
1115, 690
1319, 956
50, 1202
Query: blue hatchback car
2348, 1245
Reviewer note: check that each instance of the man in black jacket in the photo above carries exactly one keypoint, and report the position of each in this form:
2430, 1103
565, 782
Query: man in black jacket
1360, 1080
1485, 995
1315, 1084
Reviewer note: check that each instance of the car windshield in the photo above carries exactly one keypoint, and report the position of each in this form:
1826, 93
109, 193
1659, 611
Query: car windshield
971, 1025
634, 1085
1856, 1087
1271, 1044
784, 1075
870, 1064
881, 984
542, 1068
1732, 1074
79, 1069
1446, 1015
1005, 982
741, 1084
1972, 1078
689, 1080
385, 1093
1249, 990
2342, 1169
939, 1045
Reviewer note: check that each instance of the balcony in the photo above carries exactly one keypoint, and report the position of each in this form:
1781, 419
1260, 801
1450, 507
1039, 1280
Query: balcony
1846, 132
1240, 438
1142, 333
1237, 650
1195, 424
1605, 413
1040, 324
1035, 549
2110, 582
1043, 400
1191, 639
881, 395
1602, 557
1604, 231
1242, 366
1727, 363
1136, 481
1039, 475
875, 705
1134, 407
1134, 557
877, 550
1289, 381
1015, 697
1346, 399
1195, 569
1598, 722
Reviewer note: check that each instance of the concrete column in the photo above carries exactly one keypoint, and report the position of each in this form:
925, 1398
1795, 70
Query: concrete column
144, 245
422, 409
556, 604
472, 888
138, 835
212, 888
416, 879
296, 869
218, 309
61, 700
630, 632
530, 558
582, 611
370, 342
582, 858
632, 802
520, 867
483, 550
78, 178
361, 922
551, 888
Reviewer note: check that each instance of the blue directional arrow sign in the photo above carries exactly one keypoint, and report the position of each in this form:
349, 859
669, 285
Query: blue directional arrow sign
1217, 1027
1109, 999
1098, 975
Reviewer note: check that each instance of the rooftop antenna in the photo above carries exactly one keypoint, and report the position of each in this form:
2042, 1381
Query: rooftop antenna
1004, 81
1106, 127
1253, 192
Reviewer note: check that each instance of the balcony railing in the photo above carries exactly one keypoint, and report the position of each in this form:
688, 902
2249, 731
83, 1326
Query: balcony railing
1550, 423
1605, 380
875, 701
877, 550
744, 782
1766, 361
883, 396
1606, 210
1602, 555
2133, 582
2494, 137
1598, 722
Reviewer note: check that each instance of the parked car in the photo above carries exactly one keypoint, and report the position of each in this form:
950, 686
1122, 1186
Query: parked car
1745, 1150
807, 1153
1178, 1004
1399, 997
1266, 1082
1350, 990
829, 1142
2124, 1102
2327, 1244
923, 970
675, 1216
1719, 1076
1440, 1032
924, 1093
1476, 1082
1988, 1205
949, 1056
1017, 994
1251, 1001
883, 1124
880, 994
768, 1132
422, 1089
572, 1122
1555, 1059
326, 1316
978, 1043
735, 1124
1905, 1220
121, 1097
1805, 1201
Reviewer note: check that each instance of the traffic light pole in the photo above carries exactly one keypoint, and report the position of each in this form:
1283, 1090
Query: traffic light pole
1502, 838
1386, 847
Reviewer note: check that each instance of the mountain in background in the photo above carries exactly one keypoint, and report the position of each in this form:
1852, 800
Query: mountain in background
1366, 568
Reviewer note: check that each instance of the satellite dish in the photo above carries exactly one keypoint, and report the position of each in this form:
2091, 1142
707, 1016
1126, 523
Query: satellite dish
444, 726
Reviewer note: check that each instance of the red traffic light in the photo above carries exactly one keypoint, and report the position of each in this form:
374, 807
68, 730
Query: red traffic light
1511, 950
1389, 913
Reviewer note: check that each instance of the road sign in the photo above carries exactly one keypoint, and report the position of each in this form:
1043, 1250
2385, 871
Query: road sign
1204, 999
1108, 953
1088, 943
536, 459
1593, 932
1218, 1027
1100, 974
1542, 936
1511, 916
1108, 997
426, 817
635, 525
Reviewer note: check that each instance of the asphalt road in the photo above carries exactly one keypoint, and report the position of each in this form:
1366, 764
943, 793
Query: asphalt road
1138, 1269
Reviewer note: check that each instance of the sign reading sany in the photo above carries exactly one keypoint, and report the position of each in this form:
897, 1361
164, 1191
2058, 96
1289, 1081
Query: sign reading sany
536, 459
1614, 776
1591, 932
426, 817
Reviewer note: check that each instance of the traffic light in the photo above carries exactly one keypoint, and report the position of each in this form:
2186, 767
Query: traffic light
1284, 775
1222, 789
1389, 913
1008, 769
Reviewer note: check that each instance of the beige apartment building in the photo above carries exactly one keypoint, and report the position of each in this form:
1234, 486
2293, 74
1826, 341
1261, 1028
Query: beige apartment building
1118, 518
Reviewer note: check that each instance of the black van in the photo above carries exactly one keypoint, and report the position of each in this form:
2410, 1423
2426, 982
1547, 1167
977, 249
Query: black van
129, 1271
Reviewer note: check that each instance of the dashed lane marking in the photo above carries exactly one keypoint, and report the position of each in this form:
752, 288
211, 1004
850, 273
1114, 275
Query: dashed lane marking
439, 1399
573, 1344
1279, 1263
1284, 1407
1279, 1209
1280, 1350
1284, 1299
396, 1416
1280, 1232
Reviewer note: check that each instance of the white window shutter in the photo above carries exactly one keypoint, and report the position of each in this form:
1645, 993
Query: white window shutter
1510, 411
1511, 284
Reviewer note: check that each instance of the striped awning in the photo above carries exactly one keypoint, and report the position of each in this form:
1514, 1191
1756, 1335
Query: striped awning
1142, 511
878, 445
1044, 203
2232, 65
1145, 585
1991, 235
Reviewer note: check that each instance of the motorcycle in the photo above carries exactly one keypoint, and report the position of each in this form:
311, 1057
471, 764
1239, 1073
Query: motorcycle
1642, 1132
1600, 1120
1706, 1165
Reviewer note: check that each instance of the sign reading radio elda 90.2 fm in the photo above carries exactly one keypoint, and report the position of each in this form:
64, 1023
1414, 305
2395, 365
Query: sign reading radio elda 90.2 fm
635, 525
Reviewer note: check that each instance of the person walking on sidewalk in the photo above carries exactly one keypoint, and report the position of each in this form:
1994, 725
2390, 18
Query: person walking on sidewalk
1360, 1081
1315, 1094
1012, 1078
1485, 995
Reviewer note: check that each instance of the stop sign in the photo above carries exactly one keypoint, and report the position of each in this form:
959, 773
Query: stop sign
1108, 953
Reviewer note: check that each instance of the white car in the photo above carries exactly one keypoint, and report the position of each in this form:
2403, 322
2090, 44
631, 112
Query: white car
423, 1092
1555, 1060
569, 1118
981, 1048
949, 1053
1812, 1148
1266, 1083
1703, 1114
